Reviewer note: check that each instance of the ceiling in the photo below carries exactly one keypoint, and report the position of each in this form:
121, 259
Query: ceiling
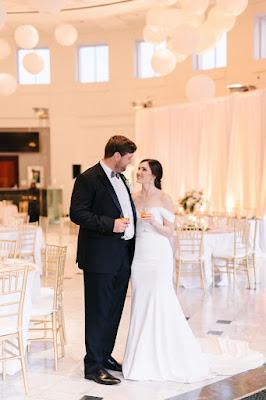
87, 16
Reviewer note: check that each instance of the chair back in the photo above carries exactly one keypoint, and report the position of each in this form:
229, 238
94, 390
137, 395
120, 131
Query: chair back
23, 207
241, 234
59, 281
10, 246
27, 237
189, 241
255, 236
52, 252
12, 293
44, 224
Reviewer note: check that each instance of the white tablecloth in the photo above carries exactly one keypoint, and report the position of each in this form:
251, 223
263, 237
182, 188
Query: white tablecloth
7, 212
10, 233
32, 292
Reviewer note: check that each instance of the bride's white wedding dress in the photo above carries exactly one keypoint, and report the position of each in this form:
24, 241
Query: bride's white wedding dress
160, 345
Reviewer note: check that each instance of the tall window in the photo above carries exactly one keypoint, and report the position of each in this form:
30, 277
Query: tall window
26, 78
93, 63
143, 54
215, 58
260, 37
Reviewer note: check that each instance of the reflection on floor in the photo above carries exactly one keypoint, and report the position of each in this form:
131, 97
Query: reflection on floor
220, 311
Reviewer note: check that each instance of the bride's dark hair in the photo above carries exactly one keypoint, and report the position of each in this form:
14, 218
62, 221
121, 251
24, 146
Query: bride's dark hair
157, 171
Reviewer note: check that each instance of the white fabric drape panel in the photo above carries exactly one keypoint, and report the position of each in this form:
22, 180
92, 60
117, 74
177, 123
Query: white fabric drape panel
218, 146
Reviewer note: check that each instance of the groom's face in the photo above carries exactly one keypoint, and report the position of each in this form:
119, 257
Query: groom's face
123, 161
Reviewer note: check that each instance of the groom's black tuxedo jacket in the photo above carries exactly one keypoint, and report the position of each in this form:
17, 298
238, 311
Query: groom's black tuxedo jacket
95, 206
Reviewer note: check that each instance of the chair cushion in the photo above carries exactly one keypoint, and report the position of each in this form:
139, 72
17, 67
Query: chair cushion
8, 327
189, 257
44, 306
47, 292
229, 254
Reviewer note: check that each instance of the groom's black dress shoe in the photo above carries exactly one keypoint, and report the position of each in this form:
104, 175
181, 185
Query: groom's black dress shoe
112, 364
103, 377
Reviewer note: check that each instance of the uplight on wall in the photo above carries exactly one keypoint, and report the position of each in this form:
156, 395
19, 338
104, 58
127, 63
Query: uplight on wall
41, 112
239, 87
139, 105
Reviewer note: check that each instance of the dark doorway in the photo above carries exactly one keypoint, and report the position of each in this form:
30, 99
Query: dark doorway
8, 171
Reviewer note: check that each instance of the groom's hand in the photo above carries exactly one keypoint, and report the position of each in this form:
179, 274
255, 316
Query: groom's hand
120, 225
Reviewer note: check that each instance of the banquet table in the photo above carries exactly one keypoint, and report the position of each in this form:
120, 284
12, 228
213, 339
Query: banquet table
31, 294
7, 212
261, 237
11, 233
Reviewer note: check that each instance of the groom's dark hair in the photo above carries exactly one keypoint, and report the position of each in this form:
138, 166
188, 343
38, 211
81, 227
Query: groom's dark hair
121, 144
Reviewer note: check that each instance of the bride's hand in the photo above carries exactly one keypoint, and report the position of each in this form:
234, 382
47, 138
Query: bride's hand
149, 218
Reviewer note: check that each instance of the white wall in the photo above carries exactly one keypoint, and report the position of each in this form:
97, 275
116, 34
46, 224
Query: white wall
84, 116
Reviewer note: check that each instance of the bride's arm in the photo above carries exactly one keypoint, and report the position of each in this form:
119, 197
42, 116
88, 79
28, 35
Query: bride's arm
167, 229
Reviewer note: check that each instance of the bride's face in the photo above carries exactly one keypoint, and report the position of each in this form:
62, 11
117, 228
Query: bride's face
144, 174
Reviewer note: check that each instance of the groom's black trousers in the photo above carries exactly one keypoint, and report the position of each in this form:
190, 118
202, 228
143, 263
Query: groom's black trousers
104, 301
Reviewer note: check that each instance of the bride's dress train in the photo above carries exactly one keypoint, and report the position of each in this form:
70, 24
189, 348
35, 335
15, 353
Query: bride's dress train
161, 346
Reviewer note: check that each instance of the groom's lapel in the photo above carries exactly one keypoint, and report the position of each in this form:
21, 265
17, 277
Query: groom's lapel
103, 177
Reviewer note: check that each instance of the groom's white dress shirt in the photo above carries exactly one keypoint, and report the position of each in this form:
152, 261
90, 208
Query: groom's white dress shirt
123, 198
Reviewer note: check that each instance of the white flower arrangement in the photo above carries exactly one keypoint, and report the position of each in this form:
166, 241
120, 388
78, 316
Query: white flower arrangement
192, 200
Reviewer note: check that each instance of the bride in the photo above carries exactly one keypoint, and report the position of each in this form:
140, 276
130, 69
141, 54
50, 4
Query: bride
160, 344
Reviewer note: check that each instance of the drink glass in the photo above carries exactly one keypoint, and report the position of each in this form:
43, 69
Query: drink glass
143, 214
124, 216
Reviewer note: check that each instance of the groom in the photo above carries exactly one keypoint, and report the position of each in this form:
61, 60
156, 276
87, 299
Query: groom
105, 251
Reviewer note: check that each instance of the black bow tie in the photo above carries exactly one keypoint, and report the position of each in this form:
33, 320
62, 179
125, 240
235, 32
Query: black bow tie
115, 174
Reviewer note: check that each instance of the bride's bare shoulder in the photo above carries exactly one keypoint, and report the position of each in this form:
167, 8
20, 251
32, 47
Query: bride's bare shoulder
167, 202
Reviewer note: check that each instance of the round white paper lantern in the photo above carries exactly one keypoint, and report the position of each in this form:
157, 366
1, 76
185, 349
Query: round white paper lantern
229, 7
33, 63
220, 21
2, 15
66, 34
166, 3
172, 18
8, 84
5, 49
26, 36
200, 88
194, 6
47, 6
154, 17
208, 39
178, 57
163, 61
152, 35
185, 39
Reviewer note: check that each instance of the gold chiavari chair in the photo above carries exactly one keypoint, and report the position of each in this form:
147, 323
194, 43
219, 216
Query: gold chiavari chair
189, 241
10, 246
47, 313
27, 239
13, 282
252, 252
237, 259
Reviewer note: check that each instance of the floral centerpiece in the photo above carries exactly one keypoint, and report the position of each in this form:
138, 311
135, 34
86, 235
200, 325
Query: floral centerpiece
192, 200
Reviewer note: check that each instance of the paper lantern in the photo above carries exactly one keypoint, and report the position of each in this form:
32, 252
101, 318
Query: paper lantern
185, 39
8, 84
66, 34
200, 88
194, 6
5, 49
178, 57
172, 18
208, 39
163, 61
154, 17
166, 3
152, 35
33, 63
219, 21
26, 36
229, 7
2, 15
47, 6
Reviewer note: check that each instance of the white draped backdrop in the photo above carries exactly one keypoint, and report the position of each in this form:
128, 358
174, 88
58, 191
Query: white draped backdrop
218, 146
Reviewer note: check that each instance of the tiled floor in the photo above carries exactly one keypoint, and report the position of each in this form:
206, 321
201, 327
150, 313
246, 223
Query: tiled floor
240, 315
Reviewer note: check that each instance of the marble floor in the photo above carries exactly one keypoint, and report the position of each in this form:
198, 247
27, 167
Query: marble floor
241, 315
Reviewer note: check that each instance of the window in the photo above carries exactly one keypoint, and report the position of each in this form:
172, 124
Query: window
215, 58
93, 63
143, 54
260, 37
43, 77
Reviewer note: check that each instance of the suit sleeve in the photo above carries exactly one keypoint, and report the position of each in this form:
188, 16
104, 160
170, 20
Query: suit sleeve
81, 205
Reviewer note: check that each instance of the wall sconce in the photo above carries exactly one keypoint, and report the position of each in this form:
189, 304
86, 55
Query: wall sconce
139, 105
41, 112
239, 87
